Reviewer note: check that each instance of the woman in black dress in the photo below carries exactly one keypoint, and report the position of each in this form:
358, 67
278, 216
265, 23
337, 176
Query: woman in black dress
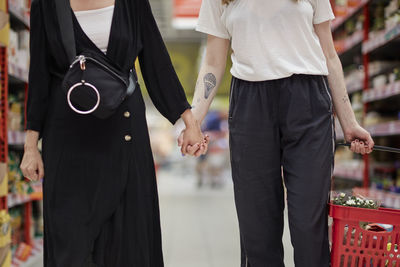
100, 193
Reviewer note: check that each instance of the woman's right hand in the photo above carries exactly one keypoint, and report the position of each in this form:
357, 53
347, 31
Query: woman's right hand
32, 164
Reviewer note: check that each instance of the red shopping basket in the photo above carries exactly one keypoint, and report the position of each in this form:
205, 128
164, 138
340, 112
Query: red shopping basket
353, 246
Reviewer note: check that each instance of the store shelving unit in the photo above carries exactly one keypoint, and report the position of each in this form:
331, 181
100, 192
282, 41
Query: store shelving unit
351, 12
15, 79
3, 114
362, 48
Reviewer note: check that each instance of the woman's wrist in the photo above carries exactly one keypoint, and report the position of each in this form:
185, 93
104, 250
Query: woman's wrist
31, 140
347, 126
347, 119
189, 119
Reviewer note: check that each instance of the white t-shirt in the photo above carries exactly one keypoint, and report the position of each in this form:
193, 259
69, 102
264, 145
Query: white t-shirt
96, 24
271, 39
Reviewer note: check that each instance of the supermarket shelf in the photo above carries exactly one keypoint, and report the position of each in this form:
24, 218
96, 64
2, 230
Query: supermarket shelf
381, 40
15, 80
339, 136
36, 257
355, 174
354, 88
338, 130
16, 138
18, 16
383, 70
385, 129
16, 200
16, 147
387, 91
349, 43
339, 21
17, 74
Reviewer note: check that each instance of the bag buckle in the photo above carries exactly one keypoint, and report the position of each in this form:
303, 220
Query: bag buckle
82, 62
83, 112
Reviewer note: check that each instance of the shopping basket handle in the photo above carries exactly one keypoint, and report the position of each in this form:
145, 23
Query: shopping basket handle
377, 148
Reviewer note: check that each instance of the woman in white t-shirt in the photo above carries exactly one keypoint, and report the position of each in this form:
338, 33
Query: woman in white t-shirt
280, 118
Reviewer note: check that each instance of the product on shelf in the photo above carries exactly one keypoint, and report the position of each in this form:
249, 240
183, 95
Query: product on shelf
392, 14
4, 24
379, 81
380, 66
345, 7
373, 118
20, 7
357, 105
23, 251
18, 54
5, 235
15, 124
382, 177
395, 75
16, 112
354, 78
351, 35
379, 17
341, 8
37, 216
17, 231
349, 169
23, 40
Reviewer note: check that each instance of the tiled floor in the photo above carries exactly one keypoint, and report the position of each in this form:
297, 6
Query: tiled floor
199, 226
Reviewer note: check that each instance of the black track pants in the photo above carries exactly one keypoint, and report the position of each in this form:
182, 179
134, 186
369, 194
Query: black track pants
285, 123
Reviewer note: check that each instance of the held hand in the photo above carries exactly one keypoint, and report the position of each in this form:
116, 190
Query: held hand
32, 164
361, 140
197, 149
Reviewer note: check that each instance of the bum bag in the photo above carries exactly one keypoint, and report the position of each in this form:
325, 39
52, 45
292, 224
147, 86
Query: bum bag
94, 86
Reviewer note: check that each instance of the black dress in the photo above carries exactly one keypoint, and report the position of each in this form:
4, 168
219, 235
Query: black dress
100, 193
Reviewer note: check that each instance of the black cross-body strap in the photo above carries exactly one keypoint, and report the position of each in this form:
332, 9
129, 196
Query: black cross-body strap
64, 14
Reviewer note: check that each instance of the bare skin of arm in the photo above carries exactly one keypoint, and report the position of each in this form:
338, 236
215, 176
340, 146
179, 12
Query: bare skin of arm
210, 76
361, 141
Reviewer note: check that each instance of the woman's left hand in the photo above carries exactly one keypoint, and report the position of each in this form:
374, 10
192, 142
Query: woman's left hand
193, 142
361, 140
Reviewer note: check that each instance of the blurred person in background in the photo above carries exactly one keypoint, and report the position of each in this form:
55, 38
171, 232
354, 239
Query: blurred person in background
211, 165
287, 77
100, 194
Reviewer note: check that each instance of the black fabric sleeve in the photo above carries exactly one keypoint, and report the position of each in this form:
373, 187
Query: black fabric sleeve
161, 80
39, 75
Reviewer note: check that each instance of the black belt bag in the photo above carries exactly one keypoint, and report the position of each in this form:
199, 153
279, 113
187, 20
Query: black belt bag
93, 84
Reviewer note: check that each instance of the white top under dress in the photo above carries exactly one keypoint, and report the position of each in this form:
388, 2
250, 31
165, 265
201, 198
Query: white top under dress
270, 39
96, 24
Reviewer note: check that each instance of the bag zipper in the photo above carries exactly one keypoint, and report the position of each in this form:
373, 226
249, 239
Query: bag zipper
81, 57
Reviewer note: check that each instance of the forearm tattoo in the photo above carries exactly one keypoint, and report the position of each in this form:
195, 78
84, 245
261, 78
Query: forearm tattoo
345, 99
210, 82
